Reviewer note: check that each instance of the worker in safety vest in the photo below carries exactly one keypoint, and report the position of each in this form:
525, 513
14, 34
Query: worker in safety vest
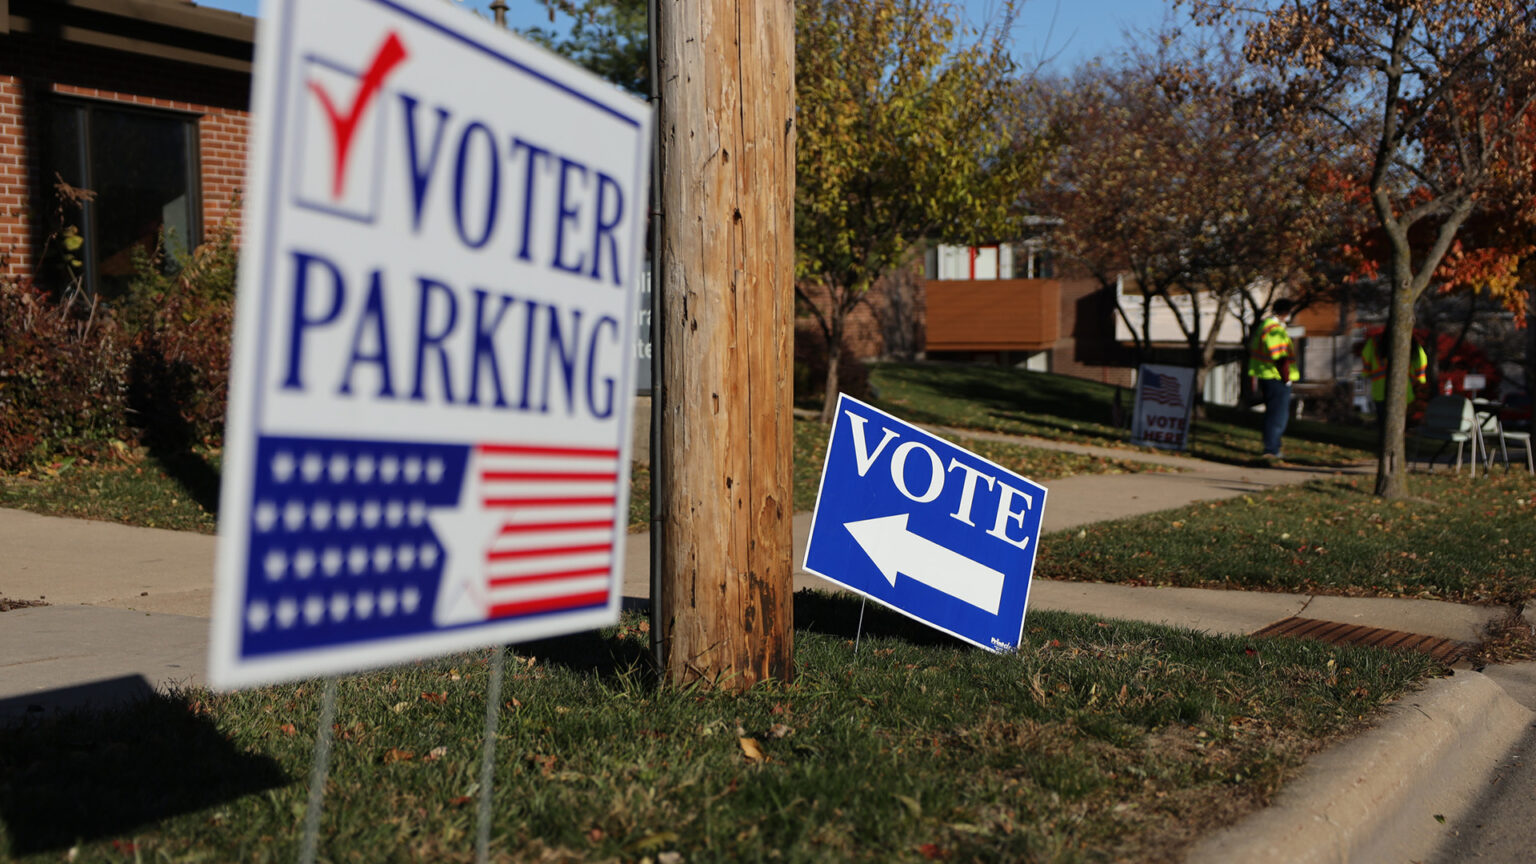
1373, 360
1272, 362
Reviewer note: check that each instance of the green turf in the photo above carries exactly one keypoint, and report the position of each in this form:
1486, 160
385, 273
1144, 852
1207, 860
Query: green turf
1458, 538
1061, 408
1097, 741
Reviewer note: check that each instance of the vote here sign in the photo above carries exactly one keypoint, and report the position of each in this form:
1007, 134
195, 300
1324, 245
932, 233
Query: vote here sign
428, 438
927, 528
1165, 398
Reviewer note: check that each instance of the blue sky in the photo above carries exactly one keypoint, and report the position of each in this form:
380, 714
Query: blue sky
1063, 32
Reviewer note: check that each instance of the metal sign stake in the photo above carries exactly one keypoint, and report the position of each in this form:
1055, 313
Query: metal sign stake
319, 770
859, 633
488, 752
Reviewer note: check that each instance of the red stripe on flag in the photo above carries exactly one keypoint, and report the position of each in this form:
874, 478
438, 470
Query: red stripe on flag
549, 502
528, 450
542, 527
527, 578
571, 476
549, 604
515, 554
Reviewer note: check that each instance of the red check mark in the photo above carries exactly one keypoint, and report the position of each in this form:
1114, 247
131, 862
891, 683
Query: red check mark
391, 54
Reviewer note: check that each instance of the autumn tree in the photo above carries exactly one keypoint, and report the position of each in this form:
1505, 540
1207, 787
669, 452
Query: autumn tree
607, 37
1435, 94
1168, 175
904, 131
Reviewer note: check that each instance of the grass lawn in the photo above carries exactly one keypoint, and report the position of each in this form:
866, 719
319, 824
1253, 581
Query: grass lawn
183, 494
1097, 741
1457, 539
1070, 409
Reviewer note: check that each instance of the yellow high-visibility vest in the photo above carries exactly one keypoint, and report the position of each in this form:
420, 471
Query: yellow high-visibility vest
1271, 344
1374, 361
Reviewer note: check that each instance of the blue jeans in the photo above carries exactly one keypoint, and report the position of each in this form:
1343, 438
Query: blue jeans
1277, 410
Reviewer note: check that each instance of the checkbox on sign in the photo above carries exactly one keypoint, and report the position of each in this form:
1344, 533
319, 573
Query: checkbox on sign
339, 140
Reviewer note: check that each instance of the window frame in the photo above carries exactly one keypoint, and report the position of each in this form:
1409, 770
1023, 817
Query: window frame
84, 108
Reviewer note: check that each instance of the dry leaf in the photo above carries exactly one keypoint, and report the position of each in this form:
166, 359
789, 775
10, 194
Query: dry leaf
436, 753
779, 730
438, 698
287, 729
395, 754
751, 750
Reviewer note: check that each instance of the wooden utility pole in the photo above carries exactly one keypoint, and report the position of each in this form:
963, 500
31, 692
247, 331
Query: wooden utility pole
727, 87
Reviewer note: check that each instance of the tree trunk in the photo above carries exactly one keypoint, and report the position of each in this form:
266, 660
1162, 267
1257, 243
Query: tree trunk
834, 369
1530, 348
727, 132
1391, 476
1207, 357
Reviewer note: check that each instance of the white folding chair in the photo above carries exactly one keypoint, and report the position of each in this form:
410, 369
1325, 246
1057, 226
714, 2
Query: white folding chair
1449, 420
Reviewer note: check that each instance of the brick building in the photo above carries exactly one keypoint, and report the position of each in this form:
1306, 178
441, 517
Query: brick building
1017, 306
142, 102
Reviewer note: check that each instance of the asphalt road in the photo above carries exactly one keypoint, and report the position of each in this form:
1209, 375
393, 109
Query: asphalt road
1502, 826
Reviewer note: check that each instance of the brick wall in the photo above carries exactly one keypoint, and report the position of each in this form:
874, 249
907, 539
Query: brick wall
888, 321
32, 71
15, 169
1087, 348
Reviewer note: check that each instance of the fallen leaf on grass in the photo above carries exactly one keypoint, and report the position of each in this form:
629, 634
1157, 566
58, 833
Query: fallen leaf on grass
779, 730
436, 753
438, 698
395, 754
750, 749
287, 729
652, 842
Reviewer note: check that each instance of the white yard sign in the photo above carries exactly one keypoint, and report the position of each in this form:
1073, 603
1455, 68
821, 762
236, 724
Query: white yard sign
1165, 398
428, 440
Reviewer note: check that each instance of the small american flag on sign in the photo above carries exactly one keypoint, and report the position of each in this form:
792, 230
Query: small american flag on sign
555, 547
1162, 389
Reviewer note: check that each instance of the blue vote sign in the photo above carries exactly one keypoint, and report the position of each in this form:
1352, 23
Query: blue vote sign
429, 429
929, 529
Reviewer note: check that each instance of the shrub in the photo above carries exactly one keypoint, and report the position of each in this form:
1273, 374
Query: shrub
179, 378
62, 377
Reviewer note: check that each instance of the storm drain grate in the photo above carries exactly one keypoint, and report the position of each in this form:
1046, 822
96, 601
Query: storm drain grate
1447, 651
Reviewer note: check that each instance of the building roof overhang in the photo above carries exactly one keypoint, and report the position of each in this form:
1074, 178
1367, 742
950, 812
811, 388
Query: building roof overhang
168, 29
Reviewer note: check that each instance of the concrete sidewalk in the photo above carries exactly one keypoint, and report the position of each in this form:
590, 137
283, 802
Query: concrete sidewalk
130, 613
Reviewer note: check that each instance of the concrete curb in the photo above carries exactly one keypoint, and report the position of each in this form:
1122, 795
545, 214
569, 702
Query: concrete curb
1377, 797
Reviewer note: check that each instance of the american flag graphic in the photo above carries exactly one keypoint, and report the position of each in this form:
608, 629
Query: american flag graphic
557, 508
1162, 389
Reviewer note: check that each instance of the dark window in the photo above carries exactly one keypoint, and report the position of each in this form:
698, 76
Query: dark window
142, 168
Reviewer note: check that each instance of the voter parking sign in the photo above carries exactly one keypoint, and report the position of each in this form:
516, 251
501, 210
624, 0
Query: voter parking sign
428, 438
927, 528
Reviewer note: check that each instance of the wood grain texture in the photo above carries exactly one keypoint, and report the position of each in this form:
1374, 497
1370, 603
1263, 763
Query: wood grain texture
727, 143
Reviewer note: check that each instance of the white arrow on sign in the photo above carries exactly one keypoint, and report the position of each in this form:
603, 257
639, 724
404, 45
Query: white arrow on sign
892, 547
